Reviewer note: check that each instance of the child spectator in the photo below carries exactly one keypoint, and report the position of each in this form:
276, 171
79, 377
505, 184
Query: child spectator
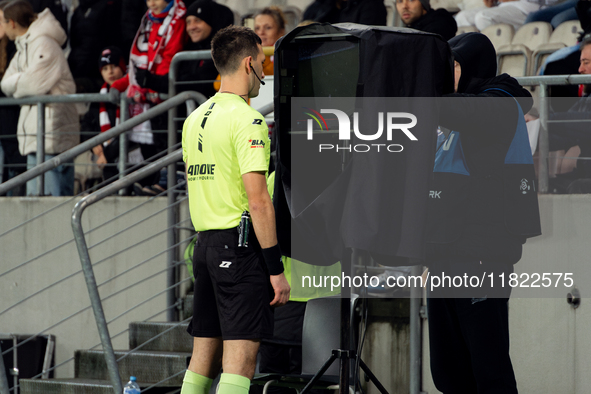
39, 67
160, 36
103, 116
269, 25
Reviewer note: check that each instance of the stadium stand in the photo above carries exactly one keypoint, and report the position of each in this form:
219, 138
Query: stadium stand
500, 34
516, 59
565, 35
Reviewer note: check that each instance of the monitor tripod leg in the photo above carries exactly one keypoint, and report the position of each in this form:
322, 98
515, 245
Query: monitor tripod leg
372, 377
321, 372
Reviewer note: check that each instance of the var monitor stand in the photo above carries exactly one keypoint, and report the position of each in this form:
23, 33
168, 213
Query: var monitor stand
345, 354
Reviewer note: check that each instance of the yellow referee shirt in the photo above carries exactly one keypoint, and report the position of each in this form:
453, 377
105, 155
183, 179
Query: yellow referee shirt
222, 140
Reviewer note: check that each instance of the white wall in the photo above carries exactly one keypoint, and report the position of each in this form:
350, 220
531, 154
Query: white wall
550, 345
53, 231
550, 348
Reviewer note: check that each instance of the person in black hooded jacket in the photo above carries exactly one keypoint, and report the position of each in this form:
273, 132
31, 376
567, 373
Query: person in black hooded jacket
482, 207
204, 19
365, 12
420, 16
95, 25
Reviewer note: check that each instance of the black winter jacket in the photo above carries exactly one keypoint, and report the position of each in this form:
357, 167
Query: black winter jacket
95, 26
438, 21
365, 12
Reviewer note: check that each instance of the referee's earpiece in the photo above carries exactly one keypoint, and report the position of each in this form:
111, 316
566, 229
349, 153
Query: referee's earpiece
255, 74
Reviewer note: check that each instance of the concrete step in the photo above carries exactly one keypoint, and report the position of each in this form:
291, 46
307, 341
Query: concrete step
174, 337
64, 386
81, 386
147, 366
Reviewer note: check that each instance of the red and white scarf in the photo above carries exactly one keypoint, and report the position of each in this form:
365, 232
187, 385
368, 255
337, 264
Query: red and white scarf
104, 120
139, 50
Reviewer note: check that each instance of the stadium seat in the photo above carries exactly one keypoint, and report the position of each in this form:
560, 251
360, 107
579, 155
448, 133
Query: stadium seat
565, 35
320, 336
500, 34
293, 16
466, 29
391, 12
516, 59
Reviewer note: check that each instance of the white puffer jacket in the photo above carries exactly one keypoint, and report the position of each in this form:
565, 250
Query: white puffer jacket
40, 67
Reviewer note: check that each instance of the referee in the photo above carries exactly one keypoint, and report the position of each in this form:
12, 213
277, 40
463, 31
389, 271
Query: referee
226, 151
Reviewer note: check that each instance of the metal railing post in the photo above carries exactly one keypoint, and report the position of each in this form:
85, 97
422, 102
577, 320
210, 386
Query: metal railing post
40, 146
3, 378
173, 209
416, 295
544, 144
91, 284
95, 299
123, 115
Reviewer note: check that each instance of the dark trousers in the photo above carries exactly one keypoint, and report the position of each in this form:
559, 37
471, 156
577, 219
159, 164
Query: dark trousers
469, 343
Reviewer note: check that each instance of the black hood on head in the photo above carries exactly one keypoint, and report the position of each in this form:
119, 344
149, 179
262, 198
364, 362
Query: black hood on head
477, 57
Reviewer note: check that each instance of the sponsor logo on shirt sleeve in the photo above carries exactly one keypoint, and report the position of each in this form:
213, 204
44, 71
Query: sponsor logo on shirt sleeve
256, 143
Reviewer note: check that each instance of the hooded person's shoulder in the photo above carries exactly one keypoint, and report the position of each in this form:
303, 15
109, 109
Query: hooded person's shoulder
505, 85
439, 21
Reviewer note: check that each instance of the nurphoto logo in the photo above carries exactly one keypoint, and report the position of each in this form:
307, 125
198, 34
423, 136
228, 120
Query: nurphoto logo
390, 122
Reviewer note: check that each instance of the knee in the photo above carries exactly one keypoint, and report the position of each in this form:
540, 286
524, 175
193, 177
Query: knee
533, 17
482, 20
559, 18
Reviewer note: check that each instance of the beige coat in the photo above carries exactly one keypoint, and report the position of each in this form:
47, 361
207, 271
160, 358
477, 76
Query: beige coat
39, 67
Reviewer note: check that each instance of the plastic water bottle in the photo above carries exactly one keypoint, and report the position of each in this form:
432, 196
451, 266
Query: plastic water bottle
131, 387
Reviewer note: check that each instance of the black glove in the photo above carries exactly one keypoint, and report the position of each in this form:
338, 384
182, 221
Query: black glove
142, 77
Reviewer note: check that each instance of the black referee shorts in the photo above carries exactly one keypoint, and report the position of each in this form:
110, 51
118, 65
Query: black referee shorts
232, 288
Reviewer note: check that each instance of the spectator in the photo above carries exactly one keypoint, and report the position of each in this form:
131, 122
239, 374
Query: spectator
556, 14
95, 25
103, 116
418, 14
160, 36
40, 67
575, 130
512, 12
13, 162
567, 60
366, 12
204, 19
269, 25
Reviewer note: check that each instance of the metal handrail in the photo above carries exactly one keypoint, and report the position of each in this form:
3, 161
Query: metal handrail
91, 284
112, 97
41, 101
170, 160
99, 139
